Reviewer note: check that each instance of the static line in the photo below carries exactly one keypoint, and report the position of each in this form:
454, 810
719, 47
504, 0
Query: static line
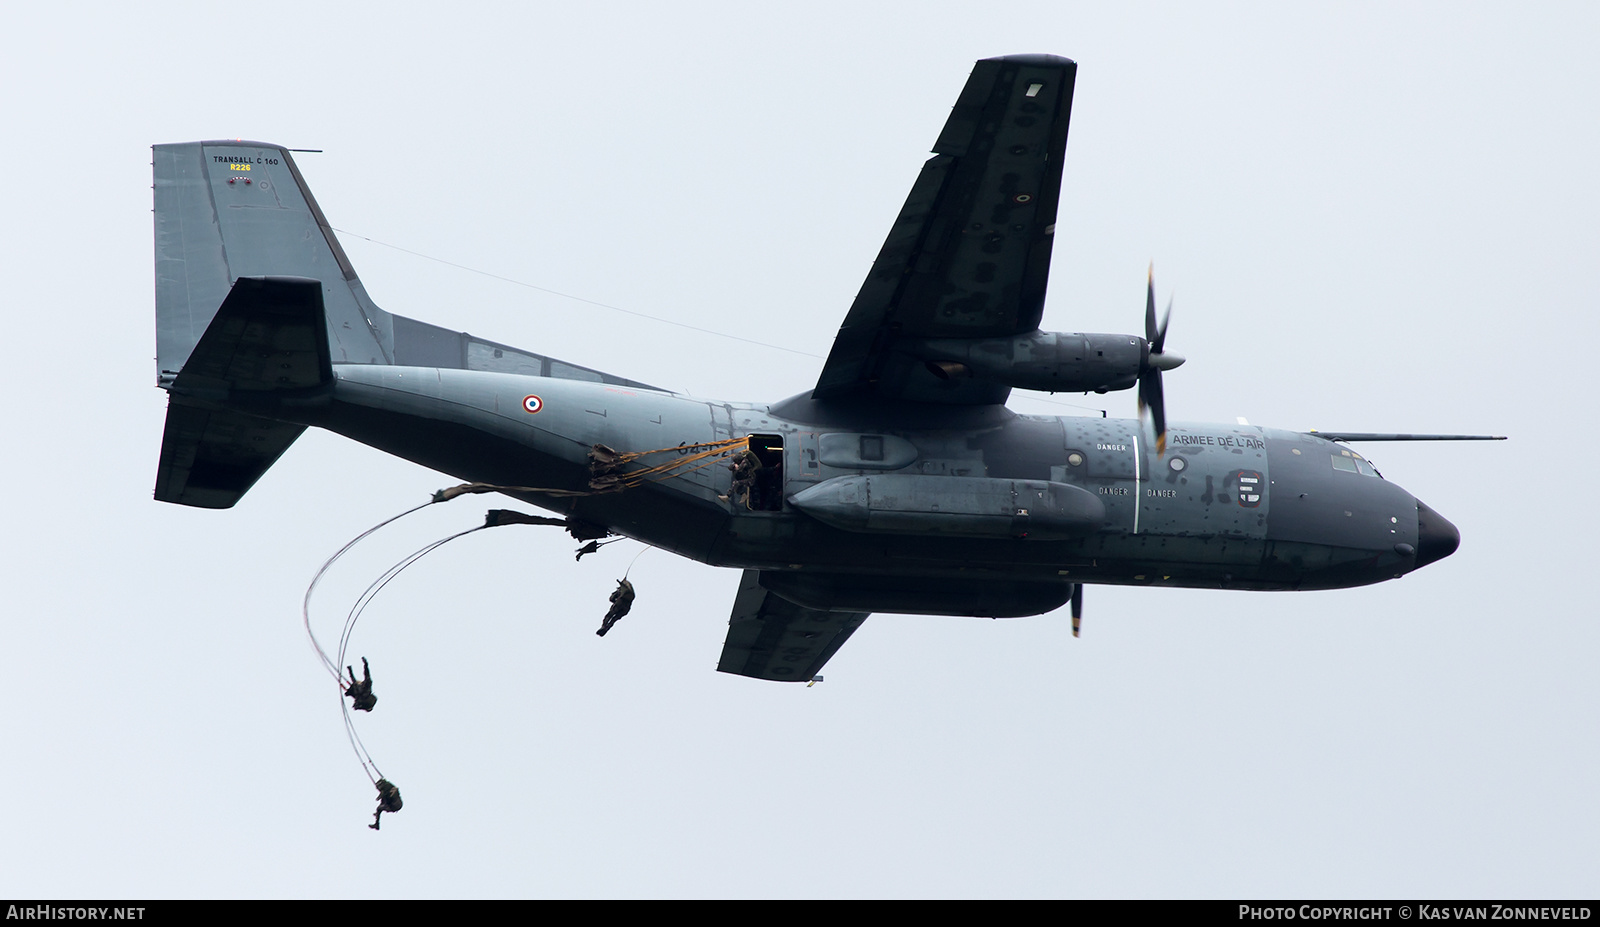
366, 598
305, 603
647, 549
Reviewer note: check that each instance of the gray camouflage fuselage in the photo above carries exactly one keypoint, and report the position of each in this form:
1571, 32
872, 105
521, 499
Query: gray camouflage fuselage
900, 483
1182, 519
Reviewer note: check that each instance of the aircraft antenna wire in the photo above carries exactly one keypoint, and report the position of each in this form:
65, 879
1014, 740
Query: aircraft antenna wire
643, 315
591, 302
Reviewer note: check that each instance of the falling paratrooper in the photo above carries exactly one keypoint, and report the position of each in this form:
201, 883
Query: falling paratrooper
607, 474
360, 692
388, 800
621, 604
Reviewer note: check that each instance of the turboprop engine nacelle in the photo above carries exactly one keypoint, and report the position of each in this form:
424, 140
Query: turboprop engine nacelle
1056, 362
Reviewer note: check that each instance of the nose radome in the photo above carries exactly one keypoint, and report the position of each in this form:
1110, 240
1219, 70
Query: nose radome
1436, 537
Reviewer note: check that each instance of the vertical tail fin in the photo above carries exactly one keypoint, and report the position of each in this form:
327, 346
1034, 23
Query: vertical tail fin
230, 209
225, 211
248, 268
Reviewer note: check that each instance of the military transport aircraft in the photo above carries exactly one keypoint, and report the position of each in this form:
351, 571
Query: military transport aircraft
899, 483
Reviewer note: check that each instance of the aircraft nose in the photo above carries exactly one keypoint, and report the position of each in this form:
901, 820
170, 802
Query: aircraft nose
1436, 537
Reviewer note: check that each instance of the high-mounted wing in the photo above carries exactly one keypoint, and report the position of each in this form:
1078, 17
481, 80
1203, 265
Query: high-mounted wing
770, 637
969, 254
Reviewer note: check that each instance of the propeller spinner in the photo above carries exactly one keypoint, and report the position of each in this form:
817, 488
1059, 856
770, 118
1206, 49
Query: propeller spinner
1156, 360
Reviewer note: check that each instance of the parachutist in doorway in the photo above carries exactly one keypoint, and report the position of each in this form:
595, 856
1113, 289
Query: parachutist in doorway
745, 466
621, 604
360, 693
388, 800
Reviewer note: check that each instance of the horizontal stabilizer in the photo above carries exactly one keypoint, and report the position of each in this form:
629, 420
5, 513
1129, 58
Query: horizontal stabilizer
268, 335
209, 459
266, 343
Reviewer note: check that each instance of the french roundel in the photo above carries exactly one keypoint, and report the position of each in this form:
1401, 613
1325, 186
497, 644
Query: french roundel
532, 403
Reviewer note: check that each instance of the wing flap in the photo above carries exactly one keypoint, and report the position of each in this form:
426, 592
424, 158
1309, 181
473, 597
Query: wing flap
770, 637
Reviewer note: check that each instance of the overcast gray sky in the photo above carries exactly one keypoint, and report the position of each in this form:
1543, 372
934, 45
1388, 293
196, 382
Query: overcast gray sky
1373, 216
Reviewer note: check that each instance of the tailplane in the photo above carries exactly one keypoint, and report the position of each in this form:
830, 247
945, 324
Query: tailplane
265, 347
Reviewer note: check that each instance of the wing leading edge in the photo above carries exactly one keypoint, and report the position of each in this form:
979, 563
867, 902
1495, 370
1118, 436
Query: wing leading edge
969, 254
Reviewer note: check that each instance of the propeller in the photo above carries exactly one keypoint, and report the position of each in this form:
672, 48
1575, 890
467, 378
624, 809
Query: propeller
1077, 608
1156, 360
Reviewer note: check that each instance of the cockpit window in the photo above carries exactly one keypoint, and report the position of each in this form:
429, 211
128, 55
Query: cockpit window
1351, 462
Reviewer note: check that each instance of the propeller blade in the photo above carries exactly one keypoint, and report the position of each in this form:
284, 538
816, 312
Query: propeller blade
1151, 395
1077, 608
1150, 307
1160, 340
